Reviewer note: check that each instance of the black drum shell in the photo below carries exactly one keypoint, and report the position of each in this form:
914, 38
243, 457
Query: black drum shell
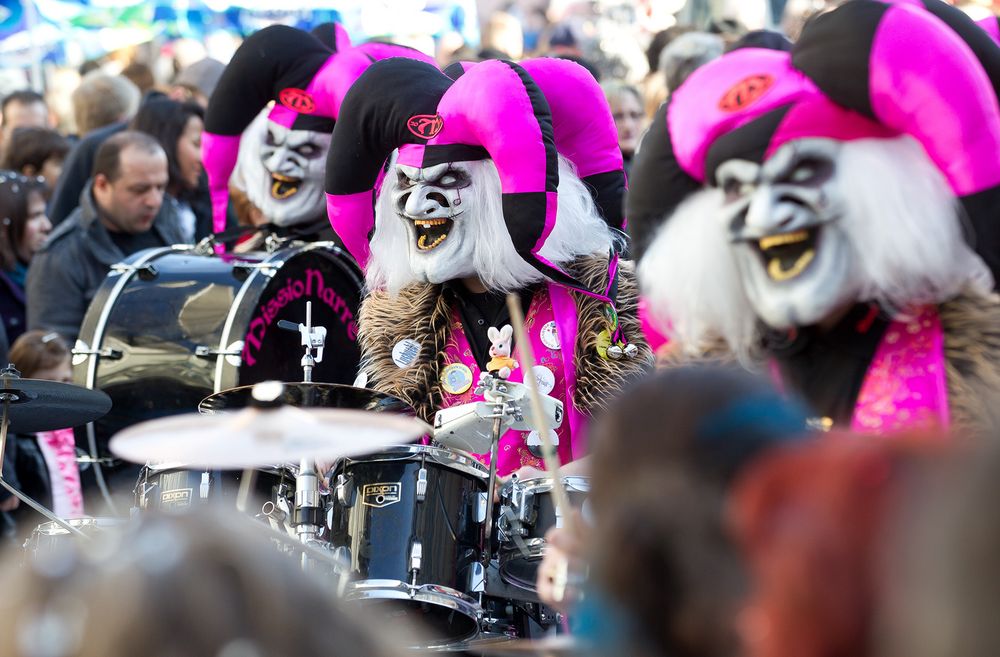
382, 519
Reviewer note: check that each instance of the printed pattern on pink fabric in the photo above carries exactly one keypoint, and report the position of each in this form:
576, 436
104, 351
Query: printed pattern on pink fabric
513, 452
905, 387
62, 443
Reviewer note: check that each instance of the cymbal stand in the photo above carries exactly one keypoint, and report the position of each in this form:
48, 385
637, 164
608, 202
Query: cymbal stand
10, 396
505, 411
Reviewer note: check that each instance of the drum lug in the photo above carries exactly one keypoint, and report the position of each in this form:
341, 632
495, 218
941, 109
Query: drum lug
421, 484
416, 556
83, 349
482, 504
233, 353
341, 490
477, 578
146, 271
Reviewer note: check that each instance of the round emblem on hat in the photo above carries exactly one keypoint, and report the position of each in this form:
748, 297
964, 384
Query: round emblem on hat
456, 378
405, 352
297, 100
550, 335
425, 126
746, 92
545, 378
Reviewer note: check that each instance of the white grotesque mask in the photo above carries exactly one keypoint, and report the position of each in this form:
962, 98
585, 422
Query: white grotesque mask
783, 221
429, 203
283, 172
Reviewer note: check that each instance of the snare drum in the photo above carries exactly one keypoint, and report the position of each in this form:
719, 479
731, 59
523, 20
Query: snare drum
170, 326
410, 522
527, 512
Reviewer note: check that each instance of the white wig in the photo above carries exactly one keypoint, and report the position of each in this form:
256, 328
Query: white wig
903, 222
579, 231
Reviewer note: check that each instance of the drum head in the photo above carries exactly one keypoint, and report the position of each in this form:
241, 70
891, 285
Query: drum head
316, 395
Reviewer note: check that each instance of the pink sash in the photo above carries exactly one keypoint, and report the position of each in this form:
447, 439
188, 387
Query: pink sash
905, 387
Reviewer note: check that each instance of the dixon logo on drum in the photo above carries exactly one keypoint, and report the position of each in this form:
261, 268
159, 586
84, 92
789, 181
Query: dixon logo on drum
380, 495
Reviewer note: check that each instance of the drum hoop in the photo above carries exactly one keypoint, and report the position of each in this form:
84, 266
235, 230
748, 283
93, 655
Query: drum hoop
536, 485
439, 455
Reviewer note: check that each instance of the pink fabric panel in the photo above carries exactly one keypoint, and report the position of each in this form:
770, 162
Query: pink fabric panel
567, 322
822, 118
992, 27
340, 37
411, 155
926, 82
698, 115
489, 107
218, 154
654, 337
581, 119
282, 115
352, 218
333, 80
379, 51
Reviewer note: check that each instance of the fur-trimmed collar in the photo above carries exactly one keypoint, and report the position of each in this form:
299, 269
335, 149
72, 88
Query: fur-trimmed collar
422, 313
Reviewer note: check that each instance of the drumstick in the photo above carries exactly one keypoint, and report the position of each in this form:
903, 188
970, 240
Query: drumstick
559, 495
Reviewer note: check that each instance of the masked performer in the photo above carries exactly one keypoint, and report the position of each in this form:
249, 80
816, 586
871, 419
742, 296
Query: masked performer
307, 79
829, 242
477, 202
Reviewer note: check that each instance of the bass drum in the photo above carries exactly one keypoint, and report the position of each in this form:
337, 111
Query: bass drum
172, 325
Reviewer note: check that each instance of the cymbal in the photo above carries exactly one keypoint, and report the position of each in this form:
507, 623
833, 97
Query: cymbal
255, 437
37, 405
317, 395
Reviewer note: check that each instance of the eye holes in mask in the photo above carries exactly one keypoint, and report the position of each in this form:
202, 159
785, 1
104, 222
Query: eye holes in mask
450, 179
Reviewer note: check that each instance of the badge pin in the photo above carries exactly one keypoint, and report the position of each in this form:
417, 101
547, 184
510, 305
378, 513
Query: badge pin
550, 335
603, 342
545, 379
405, 352
456, 378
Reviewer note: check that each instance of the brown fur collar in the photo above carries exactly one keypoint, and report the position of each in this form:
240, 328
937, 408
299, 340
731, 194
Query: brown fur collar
971, 326
422, 313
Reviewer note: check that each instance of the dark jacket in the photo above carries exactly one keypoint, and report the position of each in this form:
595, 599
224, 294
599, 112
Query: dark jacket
12, 310
65, 275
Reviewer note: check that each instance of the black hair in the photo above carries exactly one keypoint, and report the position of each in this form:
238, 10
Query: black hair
165, 119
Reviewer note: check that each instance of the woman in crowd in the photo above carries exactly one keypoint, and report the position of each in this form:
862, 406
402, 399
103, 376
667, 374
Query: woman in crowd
24, 227
178, 127
630, 119
37, 152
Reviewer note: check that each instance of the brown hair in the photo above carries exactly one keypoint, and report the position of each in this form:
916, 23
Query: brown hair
198, 583
36, 350
107, 161
33, 147
15, 191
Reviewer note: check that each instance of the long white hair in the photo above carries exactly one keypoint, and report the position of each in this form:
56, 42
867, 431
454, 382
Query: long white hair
579, 231
903, 222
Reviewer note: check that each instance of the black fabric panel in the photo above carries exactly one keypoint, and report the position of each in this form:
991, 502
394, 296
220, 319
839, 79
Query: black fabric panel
543, 114
608, 191
373, 120
440, 153
984, 48
275, 58
313, 123
748, 142
326, 33
454, 70
524, 234
834, 51
983, 211
657, 184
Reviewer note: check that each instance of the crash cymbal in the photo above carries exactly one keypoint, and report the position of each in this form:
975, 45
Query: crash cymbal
255, 437
37, 405
316, 395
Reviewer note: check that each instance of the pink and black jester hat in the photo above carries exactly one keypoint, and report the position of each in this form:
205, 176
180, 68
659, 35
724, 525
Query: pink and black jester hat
866, 70
583, 127
307, 79
495, 110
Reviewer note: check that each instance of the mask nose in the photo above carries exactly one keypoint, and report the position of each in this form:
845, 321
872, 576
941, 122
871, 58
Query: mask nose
771, 209
425, 201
